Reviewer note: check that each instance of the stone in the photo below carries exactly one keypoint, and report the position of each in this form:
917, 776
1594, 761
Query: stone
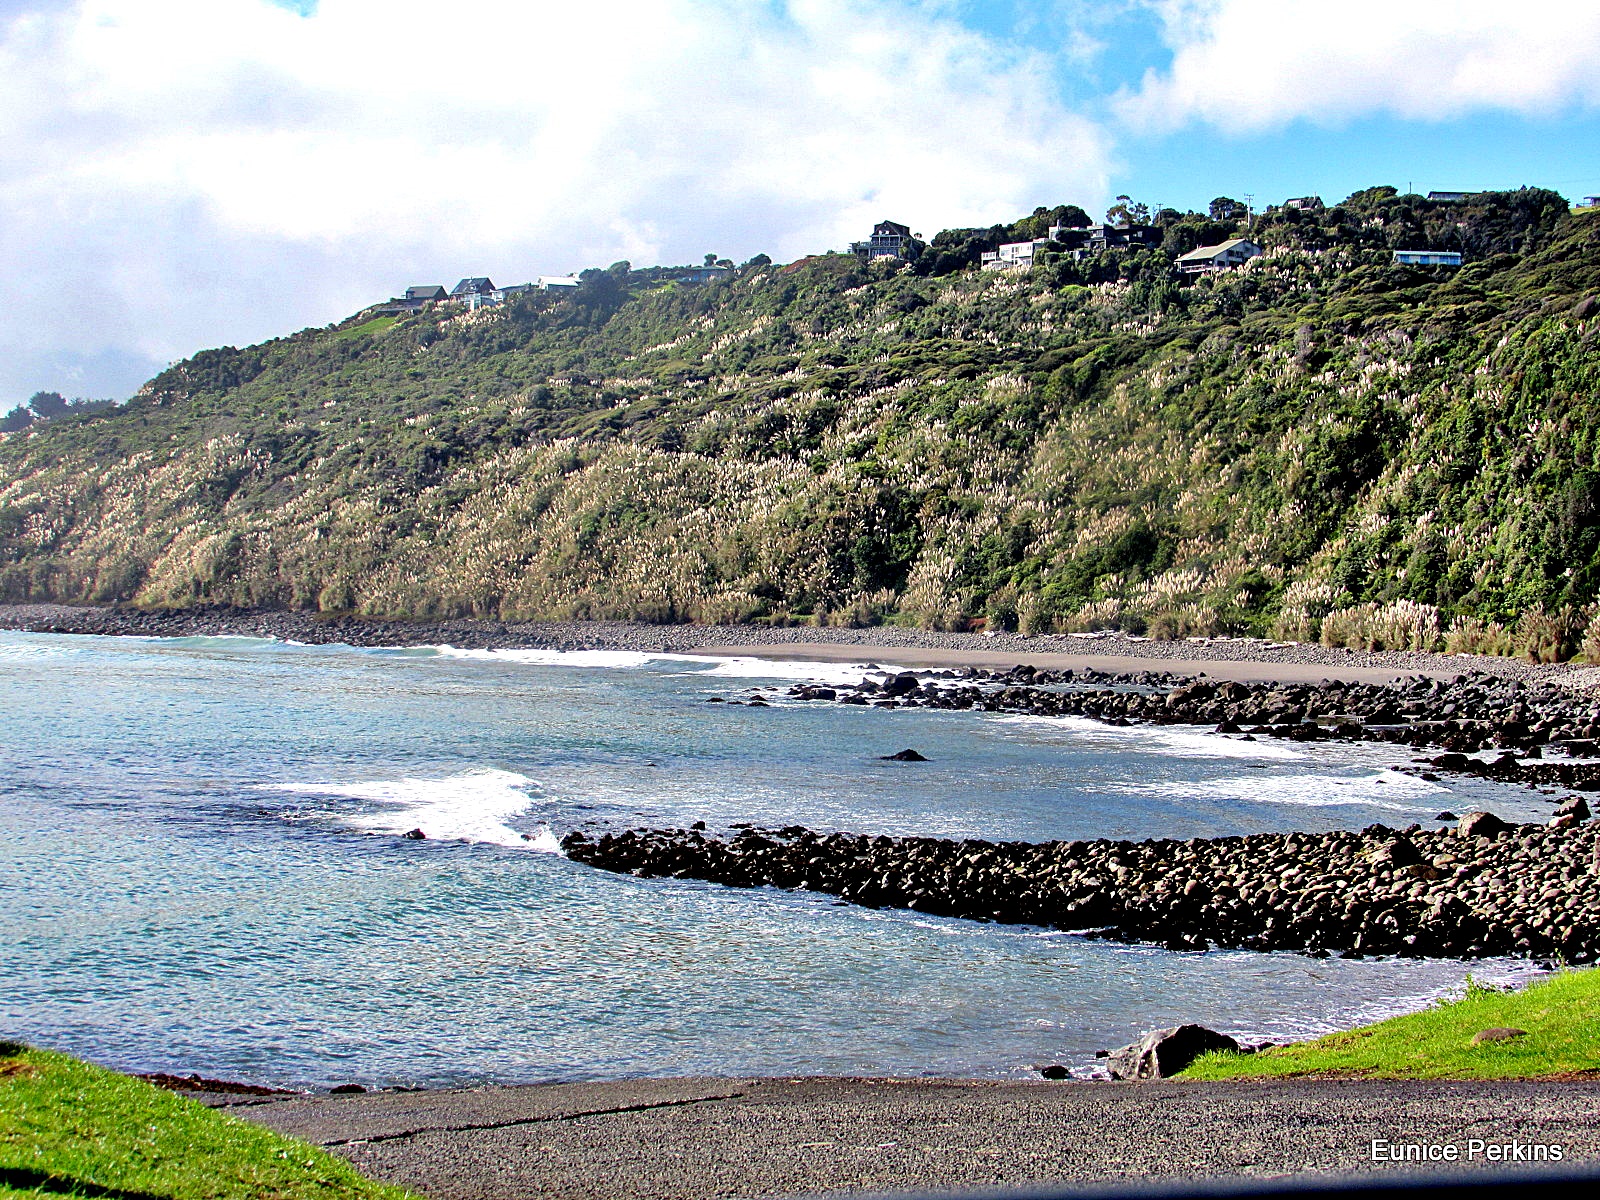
1497, 1034
415, 835
1164, 1052
902, 684
1575, 807
903, 756
347, 1089
1054, 1071
1481, 824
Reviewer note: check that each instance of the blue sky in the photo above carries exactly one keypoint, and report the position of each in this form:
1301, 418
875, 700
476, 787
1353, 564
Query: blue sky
202, 172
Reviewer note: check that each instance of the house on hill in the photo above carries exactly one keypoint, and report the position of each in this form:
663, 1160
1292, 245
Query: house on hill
889, 239
1217, 258
1094, 239
556, 283
1305, 203
1018, 255
707, 274
1427, 258
428, 293
476, 291
1589, 202
1448, 197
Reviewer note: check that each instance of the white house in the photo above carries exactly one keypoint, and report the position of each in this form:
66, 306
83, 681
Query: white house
1428, 258
1216, 258
1590, 202
1012, 254
555, 283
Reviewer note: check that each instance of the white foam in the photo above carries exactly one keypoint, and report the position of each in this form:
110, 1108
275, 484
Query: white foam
1162, 739
1389, 790
714, 666
768, 668
556, 658
470, 807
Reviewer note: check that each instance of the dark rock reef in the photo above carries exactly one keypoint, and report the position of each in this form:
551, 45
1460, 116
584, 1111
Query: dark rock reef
1542, 735
1484, 888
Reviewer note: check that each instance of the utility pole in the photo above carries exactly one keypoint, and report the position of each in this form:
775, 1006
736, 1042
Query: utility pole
1249, 211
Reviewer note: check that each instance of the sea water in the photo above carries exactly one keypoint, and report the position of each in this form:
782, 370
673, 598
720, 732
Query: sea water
202, 869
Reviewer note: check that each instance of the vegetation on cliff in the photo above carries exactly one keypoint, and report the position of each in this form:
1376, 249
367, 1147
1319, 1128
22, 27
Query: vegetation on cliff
1318, 444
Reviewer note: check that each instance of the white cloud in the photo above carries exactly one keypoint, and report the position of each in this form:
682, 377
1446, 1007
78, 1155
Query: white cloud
180, 173
1247, 66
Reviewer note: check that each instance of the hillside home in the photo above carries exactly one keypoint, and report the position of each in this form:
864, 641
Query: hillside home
1428, 258
1589, 202
475, 292
889, 239
420, 294
1305, 203
1448, 197
702, 275
1217, 258
1081, 243
1018, 255
556, 283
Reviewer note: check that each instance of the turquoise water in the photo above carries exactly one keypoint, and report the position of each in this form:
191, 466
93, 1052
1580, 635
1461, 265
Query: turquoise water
200, 869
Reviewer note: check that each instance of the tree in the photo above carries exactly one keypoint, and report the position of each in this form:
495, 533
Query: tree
1125, 213
760, 260
711, 260
1226, 208
48, 404
19, 417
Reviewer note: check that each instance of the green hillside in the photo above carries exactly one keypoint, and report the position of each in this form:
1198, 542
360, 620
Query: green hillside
1320, 443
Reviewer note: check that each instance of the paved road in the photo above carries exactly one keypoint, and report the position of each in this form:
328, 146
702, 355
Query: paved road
677, 1139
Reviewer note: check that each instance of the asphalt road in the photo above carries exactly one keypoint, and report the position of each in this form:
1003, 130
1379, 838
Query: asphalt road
676, 1139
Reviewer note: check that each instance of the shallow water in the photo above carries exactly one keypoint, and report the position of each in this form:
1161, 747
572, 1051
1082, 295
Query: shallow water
200, 869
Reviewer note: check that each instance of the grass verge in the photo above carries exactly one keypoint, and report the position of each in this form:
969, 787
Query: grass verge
71, 1129
1561, 1016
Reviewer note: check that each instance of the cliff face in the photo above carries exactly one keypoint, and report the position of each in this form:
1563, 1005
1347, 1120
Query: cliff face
1319, 442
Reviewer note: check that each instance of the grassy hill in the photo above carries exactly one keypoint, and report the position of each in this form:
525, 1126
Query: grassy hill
1319, 444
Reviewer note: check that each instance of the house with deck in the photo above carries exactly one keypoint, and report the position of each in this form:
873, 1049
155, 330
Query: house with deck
1220, 257
1427, 258
1012, 256
889, 239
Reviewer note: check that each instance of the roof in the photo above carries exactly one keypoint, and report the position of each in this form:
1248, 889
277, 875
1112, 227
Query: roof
473, 284
425, 291
550, 281
1205, 253
893, 227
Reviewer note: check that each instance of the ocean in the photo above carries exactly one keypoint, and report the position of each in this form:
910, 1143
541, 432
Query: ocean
202, 869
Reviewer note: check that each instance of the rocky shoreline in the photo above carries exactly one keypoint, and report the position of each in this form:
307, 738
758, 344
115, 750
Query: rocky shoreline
1483, 889
325, 629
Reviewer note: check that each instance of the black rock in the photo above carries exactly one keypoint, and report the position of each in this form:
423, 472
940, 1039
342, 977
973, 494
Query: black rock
1054, 1071
1447, 815
903, 756
415, 835
347, 1089
1165, 1052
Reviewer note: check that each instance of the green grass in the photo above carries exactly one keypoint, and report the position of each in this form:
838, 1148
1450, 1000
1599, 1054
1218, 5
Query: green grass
1561, 1015
71, 1129
365, 329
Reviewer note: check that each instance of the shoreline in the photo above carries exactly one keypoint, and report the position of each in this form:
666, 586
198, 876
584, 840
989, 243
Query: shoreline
1243, 660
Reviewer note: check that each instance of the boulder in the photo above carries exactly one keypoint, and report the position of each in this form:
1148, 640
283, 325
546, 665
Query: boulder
1165, 1052
1575, 807
903, 756
415, 835
902, 684
1481, 824
1054, 1071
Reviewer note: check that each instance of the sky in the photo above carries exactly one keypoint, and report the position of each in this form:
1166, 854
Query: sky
179, 174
